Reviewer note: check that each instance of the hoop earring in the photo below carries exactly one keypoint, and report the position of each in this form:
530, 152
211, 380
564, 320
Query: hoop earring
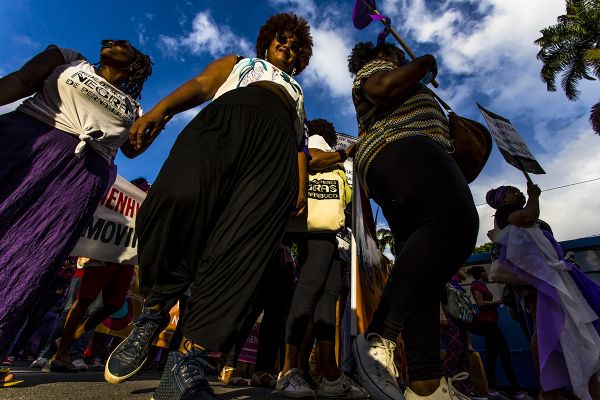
266, 54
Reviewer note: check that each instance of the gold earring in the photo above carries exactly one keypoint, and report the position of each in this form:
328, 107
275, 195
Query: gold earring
266, 54
294, 71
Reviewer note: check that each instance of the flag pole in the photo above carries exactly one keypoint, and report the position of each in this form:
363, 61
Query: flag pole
403, 44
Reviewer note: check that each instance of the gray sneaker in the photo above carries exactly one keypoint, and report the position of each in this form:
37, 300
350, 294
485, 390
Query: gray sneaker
343, 387
375, 366
293, 385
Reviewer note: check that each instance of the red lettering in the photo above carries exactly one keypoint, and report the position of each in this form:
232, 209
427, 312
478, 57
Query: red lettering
121, 202
130, 209
110, 197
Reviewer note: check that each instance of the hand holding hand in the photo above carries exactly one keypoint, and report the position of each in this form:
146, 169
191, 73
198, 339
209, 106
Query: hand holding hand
147, 127
351, 150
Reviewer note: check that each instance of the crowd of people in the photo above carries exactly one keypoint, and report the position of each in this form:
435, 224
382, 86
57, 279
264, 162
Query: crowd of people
242, 185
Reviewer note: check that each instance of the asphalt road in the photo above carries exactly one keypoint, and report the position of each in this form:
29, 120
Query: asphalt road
90, 385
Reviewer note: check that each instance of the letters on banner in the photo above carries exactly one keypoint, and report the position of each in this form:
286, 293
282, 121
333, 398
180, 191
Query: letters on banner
110, 235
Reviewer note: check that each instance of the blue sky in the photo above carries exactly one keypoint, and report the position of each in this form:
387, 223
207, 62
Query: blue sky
484, 50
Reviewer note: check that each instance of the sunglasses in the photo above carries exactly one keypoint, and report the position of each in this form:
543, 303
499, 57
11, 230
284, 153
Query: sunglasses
282, 38
111, 43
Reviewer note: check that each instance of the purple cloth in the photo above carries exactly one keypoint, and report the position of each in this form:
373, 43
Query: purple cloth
361, 14
495, 196
550, 317
47, 197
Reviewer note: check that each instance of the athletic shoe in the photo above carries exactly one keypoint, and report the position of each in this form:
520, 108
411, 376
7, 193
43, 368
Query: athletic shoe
184, 379
131, 354
39, 362
377, 372
8, 361
523, 396
445, 391
80, 365
343, 387
497, 395
293, 385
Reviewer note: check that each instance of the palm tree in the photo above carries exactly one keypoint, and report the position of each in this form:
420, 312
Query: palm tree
572, 47
385, 238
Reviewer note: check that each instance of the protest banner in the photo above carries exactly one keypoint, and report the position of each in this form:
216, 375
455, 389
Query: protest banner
511, 144
110, 235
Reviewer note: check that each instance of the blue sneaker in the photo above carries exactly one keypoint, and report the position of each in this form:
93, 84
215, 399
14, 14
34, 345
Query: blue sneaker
184, 379
129, 356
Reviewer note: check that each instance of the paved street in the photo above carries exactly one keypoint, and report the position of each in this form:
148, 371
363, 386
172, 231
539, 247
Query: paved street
91, 386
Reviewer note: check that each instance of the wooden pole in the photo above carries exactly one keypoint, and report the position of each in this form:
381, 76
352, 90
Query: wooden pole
397, 37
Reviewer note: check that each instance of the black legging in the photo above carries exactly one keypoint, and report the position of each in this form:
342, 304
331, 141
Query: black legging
430, 210
495, 346
317, 290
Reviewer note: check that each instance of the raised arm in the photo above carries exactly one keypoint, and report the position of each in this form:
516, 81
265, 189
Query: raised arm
191, 94
30, 77
388, 87
529, 215
324, 159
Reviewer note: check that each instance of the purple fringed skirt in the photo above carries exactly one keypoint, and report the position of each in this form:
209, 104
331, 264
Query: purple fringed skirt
47, 196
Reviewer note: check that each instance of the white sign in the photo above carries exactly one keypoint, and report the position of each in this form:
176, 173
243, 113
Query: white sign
506, 136
110, 236
510, 143
343, 141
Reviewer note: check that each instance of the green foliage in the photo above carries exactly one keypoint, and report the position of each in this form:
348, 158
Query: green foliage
572, 47
385, 238
484, 248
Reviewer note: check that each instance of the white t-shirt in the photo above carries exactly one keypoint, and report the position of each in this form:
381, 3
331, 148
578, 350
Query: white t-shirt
318, 142
76, 100
250, 70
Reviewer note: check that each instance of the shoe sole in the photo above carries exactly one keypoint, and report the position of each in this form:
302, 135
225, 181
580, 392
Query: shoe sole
366, 381
114, 379
296, 395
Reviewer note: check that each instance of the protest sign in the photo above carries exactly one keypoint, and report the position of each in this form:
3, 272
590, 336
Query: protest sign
509, 142
110, 235
343, 141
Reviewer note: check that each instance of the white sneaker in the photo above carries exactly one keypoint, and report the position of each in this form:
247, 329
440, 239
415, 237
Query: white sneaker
375, 365
80, 365
343, 387
38, 362
446, 390
293, 385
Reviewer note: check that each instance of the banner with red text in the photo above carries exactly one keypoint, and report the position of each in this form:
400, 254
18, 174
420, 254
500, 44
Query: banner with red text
110, 235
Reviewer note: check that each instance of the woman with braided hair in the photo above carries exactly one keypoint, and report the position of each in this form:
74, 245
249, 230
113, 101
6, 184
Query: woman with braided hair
57, 152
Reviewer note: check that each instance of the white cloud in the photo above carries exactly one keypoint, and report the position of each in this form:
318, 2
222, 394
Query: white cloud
207, 37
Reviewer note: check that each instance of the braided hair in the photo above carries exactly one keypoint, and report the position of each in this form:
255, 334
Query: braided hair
139, 71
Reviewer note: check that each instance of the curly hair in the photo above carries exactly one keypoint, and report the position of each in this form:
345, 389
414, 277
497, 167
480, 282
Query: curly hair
324, 129
286, 23
139, 71
364, 52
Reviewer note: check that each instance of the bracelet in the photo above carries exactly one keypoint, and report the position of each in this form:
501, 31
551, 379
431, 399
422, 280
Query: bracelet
342, 154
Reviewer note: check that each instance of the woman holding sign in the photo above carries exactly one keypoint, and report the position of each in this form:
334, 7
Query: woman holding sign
403, 162
55, 152
221, 201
